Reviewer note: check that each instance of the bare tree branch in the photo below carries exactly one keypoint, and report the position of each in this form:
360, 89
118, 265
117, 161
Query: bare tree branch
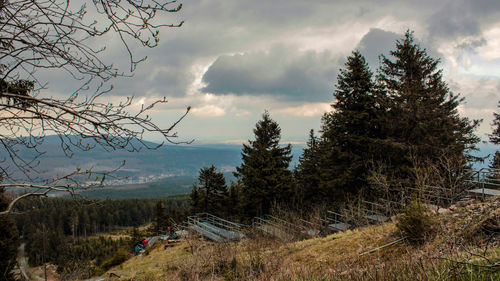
54, 35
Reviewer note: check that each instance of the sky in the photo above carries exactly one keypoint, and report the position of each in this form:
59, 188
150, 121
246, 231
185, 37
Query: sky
232, 60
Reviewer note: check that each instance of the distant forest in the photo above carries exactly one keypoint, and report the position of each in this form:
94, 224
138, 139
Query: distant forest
62, 231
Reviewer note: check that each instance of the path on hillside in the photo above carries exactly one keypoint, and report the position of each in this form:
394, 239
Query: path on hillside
22, 263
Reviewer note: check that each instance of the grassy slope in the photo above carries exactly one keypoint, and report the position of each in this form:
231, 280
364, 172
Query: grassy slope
335, 257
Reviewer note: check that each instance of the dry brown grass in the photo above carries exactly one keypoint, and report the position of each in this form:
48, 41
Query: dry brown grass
335, 257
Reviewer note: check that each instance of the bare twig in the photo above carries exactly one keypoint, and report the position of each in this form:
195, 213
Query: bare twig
59, 34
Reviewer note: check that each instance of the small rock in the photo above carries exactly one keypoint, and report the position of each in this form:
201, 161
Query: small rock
444, 211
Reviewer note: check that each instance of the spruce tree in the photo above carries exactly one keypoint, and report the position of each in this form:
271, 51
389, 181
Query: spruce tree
160, 223
425, 122
495, 138
353, 132
307, 173
264, 173
234, 199
211, 192
195, 199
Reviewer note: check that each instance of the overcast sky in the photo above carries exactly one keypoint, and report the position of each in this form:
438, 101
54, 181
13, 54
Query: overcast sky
232, 60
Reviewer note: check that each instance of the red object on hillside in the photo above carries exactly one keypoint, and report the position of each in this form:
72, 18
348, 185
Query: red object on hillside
145, 243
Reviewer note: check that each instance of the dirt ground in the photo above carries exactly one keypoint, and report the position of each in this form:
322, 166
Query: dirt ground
39, 273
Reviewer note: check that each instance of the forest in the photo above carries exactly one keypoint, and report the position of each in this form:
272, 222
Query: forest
65, 232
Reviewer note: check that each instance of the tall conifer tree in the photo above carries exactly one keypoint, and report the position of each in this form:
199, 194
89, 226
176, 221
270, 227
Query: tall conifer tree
195, 199
425, 121
264, 173
211, 193
307, 173
354, 130
495, 138
160, 222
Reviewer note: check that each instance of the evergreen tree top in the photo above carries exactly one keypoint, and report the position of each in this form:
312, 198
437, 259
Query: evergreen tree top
267, 132
209, 178
412, 71
354, 83
310, 151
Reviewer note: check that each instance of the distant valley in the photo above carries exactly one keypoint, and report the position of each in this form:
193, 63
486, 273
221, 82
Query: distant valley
168, 170
148, 173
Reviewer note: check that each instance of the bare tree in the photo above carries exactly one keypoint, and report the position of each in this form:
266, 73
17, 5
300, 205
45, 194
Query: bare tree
53, 35
439, 182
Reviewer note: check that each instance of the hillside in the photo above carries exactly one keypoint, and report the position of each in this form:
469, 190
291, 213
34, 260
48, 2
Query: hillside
466, 234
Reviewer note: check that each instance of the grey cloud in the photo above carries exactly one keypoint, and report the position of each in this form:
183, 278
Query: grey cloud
452, 21
462, 18
381, 42
471, 45
215, 27
281, 72
478, 93
375, 43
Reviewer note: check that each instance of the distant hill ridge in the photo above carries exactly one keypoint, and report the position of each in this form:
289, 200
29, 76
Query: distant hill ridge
168, 170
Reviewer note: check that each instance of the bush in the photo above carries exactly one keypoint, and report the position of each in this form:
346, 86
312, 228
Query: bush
118, 258
8, 247
415, 223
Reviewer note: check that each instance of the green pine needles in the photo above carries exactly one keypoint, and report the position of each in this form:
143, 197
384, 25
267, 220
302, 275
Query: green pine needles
264, 173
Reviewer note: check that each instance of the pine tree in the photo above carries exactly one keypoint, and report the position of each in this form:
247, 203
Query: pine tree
211, 193
264, 173
425, 121
234, 200
354, 132
160, 222
8, 241
307, 173
136, 237
495, 138
195, 199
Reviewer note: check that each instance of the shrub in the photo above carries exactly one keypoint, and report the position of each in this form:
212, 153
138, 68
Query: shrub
415, 223
118, 258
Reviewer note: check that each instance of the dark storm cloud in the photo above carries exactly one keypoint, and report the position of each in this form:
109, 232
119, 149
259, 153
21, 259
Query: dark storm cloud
280, 72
